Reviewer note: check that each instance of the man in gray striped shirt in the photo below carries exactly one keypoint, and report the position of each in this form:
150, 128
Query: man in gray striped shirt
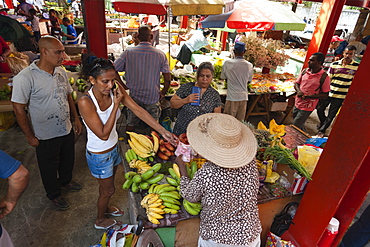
143, 65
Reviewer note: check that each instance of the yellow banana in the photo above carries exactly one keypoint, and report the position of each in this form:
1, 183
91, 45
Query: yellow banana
154, 205
156, 143
176, 168
138, 151
132, 163
155, 215
141, 139
153, 220
156, 210
144, 201
153, 198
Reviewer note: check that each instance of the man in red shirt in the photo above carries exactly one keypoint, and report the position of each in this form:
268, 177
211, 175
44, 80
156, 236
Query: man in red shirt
310, 86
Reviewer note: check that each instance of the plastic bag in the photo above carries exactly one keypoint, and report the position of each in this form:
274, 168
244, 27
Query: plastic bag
308, 157
275, 241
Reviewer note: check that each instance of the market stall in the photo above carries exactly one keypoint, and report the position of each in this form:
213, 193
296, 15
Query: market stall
153, 179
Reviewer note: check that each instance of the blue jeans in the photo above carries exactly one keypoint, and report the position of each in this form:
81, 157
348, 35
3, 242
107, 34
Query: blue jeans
102, 165
359, 233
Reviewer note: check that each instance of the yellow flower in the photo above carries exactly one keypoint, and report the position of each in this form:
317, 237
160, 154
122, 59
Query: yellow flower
275, 129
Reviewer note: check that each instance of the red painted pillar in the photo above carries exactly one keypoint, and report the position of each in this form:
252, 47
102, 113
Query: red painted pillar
184, 22
9, 3
224, 36
340, 181
95, 30
325, 27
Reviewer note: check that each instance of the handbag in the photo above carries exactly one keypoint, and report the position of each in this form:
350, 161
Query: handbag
284, 219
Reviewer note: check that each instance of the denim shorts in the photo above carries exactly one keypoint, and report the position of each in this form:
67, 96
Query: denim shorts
101, 165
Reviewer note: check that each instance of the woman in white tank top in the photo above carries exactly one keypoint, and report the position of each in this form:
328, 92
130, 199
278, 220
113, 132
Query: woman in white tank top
100, 110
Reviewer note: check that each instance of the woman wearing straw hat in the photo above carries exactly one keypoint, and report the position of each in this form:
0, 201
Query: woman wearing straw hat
227, 185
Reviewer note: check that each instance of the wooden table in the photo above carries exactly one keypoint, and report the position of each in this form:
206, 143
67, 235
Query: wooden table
254, 109
114, 37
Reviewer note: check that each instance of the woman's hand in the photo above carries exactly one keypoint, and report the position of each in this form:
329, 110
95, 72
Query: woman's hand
192, 98
118, 95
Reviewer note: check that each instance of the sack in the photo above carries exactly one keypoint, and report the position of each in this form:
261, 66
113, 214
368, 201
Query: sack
308, 156
283, 220
275, 241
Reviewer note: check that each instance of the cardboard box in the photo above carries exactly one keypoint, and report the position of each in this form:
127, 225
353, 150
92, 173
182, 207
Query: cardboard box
298, 182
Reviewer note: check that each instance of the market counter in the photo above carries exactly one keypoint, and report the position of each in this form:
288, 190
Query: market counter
5, 105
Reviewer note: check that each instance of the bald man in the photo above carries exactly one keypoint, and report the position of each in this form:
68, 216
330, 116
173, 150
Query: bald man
43, 89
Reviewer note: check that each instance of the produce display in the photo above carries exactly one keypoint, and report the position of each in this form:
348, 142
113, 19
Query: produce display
269, 83
271, 153
5, 92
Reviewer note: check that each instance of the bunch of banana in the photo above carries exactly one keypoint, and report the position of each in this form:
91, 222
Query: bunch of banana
136, 181
192, 168
154, 207
191, 207
166, 201
142, 145
131, 155
175, 174
140, 165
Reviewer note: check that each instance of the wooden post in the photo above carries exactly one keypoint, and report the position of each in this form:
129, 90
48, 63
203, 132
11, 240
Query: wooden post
340, 181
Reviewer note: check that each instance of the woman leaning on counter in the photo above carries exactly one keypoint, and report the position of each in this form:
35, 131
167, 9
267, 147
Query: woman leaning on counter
210, 100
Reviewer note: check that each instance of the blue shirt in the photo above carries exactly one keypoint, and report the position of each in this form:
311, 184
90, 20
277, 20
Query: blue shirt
8, 165
72, 31
143, 65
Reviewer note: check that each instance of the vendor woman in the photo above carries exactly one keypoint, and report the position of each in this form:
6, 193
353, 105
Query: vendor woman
227, 185
210, 100
198, 40
4, 53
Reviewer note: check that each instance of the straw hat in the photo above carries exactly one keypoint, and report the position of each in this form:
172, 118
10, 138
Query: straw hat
222, 139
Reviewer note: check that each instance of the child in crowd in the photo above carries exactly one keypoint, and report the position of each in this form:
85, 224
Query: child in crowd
71, 31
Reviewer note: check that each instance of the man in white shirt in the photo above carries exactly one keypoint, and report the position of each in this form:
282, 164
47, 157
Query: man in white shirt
238, 73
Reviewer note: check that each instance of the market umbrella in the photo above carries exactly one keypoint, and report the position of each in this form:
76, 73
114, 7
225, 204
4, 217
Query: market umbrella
256, 15
12, 30
178, 7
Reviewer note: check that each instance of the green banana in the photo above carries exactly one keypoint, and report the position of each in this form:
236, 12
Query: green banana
137, 178
127, 184
151, 188
151, 158
170, 211
165, 189
144, 185
172, 181
127, 156
134, 187
133, 154
156, 167
173, 174
189, 209
172, 194
170, 200
195, 205
148, 174
172, 206
155, 179
159, 187
130, 174
194, 168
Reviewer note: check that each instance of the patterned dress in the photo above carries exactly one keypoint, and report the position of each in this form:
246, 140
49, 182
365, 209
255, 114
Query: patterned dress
229, 202
208, 102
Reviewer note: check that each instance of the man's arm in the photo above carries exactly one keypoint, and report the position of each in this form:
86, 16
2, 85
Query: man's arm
74, 115
23, 122
17, 184
167, 81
